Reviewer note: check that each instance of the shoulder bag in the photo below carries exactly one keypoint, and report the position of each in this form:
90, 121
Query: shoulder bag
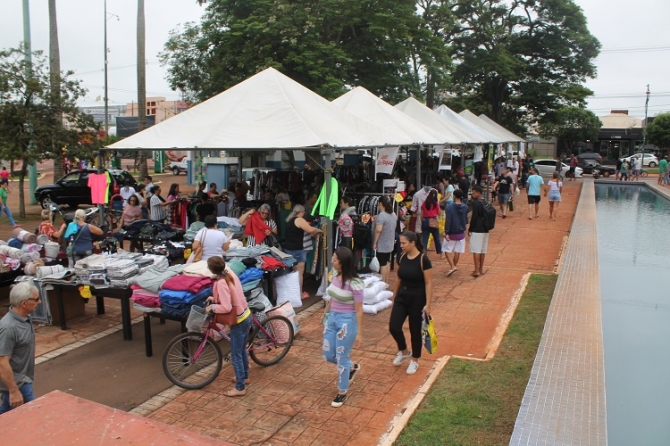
197, 254
229, 318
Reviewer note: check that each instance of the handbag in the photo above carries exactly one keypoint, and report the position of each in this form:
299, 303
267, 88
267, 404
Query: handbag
432, 223
197, 252
70, 247
229, 318
428, 334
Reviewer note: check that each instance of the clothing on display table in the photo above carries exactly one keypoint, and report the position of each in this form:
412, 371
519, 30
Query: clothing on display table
99, 184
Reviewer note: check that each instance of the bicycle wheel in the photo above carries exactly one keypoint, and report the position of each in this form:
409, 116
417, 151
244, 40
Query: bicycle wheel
191, 362
271, 341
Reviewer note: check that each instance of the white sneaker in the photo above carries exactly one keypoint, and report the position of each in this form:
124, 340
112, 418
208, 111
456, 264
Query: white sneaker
400, 358
412, 367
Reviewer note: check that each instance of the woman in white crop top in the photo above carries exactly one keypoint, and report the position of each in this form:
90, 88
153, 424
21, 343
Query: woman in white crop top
555, 187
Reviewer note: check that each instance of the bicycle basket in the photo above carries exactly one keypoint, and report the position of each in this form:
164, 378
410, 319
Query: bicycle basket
197, 318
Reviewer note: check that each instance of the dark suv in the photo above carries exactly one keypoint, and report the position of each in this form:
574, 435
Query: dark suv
73, 190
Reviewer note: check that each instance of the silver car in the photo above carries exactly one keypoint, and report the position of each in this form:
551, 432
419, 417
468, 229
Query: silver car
546, 168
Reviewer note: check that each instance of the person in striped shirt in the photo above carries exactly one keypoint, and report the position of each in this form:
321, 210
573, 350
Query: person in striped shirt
344, 319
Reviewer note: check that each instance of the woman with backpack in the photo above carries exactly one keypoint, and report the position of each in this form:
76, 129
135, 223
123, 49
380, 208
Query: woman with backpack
412, 296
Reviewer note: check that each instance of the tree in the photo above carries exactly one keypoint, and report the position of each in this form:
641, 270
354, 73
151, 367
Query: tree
141, 83
34, 118
327, 46
54, 72
658, 131
571, 125
517, 61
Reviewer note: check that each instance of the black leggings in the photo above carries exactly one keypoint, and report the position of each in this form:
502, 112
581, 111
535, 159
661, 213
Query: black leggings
408, 303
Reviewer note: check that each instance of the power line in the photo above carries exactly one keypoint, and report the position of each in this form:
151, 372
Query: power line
641, 49
101, 70
634, 95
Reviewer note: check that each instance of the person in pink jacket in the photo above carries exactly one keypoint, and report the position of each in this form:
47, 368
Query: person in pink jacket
228, 296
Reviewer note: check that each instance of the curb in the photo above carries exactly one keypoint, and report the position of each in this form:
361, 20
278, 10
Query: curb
400, 421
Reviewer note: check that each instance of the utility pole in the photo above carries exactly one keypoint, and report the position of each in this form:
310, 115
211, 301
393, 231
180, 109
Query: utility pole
644, 128
106, 99
32, 169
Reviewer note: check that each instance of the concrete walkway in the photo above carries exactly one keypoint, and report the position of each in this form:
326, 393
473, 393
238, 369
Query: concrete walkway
564, 403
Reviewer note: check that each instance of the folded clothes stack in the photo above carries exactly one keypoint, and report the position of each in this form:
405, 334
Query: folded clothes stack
178, 303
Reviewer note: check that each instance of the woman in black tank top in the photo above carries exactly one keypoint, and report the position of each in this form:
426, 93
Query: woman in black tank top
412, 296
296, 226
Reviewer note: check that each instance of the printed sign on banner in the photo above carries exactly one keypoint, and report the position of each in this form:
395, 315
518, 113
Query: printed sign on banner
386, 157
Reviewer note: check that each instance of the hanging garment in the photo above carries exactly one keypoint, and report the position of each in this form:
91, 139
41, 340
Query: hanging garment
321, 207
99, 184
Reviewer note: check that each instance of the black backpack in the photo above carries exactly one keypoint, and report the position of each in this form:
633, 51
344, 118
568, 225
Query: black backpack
489, 215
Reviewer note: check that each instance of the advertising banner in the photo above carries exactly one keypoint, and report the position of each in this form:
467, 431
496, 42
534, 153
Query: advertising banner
386, 157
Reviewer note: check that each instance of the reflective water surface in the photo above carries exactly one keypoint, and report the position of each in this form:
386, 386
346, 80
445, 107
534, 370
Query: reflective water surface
634, 256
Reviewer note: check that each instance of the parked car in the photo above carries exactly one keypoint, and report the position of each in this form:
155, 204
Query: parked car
546, 168
72, 189
178, 166
586, 165
649, 159
605, 171
590, 156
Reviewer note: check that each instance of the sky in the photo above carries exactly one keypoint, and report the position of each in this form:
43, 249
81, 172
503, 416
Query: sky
635, 47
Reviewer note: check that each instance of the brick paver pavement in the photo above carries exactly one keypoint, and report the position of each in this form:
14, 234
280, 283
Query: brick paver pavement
290, 403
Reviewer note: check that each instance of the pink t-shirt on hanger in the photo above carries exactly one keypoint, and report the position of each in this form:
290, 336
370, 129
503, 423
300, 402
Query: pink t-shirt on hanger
99, 184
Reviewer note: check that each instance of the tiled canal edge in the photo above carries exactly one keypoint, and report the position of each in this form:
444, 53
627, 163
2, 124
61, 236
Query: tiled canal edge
75, 345
157, 401
564, 402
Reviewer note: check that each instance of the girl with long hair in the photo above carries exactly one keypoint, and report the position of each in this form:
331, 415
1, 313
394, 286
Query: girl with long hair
227, 296
344, 319
412, 296
429, 212
553, 191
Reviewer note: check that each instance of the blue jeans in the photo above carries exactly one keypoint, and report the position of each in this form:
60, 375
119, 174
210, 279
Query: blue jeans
27, 392
426, 231
239, 335
338, 340
6, 210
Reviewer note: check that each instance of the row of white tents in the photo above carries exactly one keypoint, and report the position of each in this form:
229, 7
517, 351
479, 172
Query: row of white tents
271, 111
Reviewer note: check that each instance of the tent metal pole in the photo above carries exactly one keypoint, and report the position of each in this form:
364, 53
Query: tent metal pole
329, 240
418, 167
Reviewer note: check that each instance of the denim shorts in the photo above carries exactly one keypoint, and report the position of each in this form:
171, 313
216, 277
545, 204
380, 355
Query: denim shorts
299, 255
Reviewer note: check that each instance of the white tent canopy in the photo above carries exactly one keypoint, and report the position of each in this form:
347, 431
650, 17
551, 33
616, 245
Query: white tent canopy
502, 129
467, 114
360, 102
266, 111
423, 114
457, 119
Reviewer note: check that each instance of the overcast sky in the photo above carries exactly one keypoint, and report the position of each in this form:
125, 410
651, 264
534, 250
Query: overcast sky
634, 37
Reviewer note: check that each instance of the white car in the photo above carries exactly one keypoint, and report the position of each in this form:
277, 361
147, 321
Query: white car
649, 159
546, 168
178, 166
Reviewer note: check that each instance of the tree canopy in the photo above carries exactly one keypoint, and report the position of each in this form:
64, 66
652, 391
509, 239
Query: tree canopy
517, 61
326, 45
34, 118
658, 131
571, 125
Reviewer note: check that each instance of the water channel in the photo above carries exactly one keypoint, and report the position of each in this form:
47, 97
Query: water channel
634, 257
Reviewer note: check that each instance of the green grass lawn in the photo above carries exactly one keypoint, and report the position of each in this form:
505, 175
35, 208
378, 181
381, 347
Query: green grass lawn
475, 402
